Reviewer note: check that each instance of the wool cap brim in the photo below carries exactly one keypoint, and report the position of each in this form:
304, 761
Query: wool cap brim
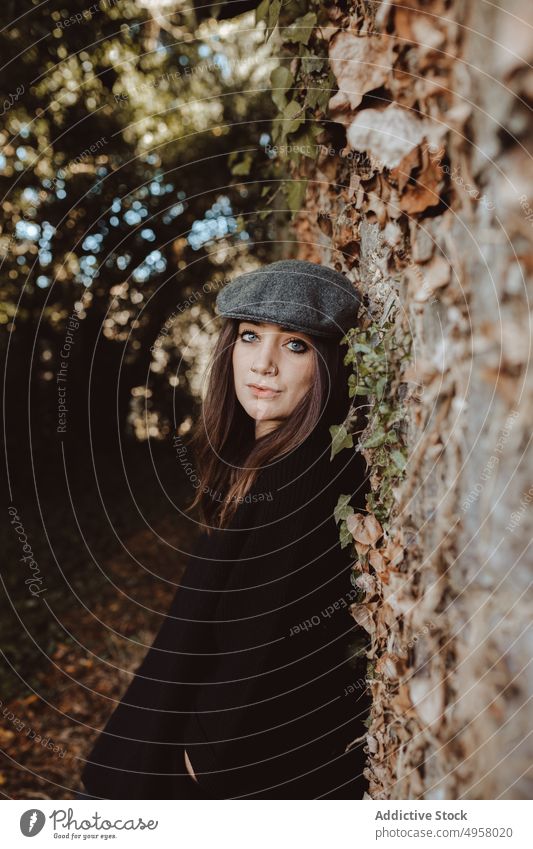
294, 293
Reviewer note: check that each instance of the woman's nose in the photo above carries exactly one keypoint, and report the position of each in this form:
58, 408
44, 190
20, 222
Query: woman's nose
264, 359
264, 363
264, 368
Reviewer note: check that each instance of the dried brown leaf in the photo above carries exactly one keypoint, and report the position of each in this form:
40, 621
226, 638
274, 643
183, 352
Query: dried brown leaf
425, 192
362, 613
360, 64
427, 696
390, 134
433, 276
364, 529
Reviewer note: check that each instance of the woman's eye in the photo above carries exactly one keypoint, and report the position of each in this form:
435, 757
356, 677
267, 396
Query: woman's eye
244, 333
301, 349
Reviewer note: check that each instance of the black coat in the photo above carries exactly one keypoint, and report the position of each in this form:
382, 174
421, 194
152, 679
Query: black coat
250, 668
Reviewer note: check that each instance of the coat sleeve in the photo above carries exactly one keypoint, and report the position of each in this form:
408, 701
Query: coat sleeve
138, 753
271, 719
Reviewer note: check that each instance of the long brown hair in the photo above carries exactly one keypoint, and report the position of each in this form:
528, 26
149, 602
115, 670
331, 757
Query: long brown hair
228, 458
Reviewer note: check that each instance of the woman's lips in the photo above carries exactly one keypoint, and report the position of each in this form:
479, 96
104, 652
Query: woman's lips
260, 392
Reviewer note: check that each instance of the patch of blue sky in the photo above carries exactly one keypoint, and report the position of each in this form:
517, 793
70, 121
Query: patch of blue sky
87, 268
217, 222
173, 213
175, 210
153, 263
132, 217
47, 231
141, 274
93, 242
30, 194
27, 230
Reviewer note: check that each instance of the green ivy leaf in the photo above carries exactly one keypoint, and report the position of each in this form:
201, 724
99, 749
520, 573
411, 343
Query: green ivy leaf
342, 509
301, 30
261, 11
281, 80
327, 90
340, 439
295, 114
345, 535
293, 9
295, 193
359, 347
399, 459
380, 386
312, 96
274, 9
305, 141
243, 167
377, 438
315, 64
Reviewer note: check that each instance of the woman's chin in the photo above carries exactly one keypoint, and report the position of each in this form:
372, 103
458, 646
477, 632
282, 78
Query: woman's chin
262, 411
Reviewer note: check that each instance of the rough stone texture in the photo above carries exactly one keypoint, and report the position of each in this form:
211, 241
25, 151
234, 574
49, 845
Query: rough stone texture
442, 239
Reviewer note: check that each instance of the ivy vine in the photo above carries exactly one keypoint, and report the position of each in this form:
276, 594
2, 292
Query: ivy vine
301, 87
376, 353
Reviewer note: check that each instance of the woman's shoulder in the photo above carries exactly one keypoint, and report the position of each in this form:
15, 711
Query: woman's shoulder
311, 472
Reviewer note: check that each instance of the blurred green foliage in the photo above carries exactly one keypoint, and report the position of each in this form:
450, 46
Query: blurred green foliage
122, 122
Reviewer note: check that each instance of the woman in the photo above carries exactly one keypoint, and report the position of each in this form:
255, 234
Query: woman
243, 694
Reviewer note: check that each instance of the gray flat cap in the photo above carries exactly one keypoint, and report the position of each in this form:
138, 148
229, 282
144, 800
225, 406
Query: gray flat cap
295, 293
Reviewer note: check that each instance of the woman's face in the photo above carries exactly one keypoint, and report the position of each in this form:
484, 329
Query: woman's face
266, 355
